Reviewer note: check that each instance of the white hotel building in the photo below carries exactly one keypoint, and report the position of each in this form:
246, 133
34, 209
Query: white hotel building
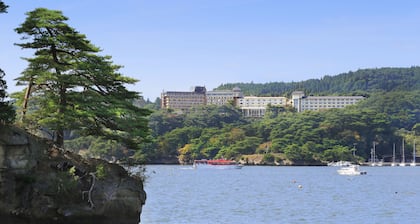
223, 97
302, 102
253, 106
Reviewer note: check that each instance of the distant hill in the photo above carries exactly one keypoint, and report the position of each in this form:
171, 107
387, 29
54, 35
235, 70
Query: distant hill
363, 81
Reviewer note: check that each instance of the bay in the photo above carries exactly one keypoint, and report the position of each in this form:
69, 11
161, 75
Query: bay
268, 194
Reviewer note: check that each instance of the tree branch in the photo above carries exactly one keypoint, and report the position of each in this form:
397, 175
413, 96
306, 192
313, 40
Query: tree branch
90, 190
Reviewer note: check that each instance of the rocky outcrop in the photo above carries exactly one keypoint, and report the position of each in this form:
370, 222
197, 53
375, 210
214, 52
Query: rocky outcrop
42, 184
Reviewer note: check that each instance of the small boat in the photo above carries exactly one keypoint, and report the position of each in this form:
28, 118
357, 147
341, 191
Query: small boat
352, 170
339, 163
217, 163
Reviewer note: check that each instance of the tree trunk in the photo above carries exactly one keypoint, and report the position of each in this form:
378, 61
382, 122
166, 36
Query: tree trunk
59, 141
26, 98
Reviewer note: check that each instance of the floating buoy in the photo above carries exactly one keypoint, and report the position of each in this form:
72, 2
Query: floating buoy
300, 186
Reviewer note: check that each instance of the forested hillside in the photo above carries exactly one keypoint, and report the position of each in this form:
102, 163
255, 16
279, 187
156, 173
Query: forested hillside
389, 114
359, 82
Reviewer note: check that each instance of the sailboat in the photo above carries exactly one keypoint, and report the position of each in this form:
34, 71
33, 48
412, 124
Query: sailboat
413, 163
373, 155
393, 155
403, 156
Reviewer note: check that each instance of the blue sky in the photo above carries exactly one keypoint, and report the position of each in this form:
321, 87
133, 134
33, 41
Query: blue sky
177, 44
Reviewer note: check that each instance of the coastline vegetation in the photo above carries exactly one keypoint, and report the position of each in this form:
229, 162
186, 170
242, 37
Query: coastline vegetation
310, 137
285, 137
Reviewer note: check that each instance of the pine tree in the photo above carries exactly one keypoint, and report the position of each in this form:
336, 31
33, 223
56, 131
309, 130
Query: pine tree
69, 86
3, 7
7, 113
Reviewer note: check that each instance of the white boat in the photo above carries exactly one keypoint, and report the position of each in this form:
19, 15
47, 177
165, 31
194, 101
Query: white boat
339, 163
217, 164
413, 163
352, 170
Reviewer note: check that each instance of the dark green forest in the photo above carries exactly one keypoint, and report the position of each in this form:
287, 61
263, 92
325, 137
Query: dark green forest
389, 114
360, 82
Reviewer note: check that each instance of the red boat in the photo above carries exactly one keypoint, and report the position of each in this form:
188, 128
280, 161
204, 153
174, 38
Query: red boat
217, 163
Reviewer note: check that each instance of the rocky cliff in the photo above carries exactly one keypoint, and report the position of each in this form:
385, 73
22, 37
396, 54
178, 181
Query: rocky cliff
42, 184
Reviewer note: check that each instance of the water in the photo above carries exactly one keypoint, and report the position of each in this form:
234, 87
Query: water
253, 194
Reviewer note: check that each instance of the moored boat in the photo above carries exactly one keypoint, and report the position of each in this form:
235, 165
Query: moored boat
217, 163
339, 163
352, 170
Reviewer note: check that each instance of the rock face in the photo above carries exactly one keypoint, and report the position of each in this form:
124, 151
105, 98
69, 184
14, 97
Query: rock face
43, 184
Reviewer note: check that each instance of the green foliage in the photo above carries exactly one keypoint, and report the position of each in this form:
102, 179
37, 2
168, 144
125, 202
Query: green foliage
3, 7
302, 137
268, 158
64, 185
72, 173
110, 150
172, 141
100, 171
7, 112
80, 143
359, 82
161, 122
72, 87
402, 106
295, 152
311, 136
337, 153
214, 116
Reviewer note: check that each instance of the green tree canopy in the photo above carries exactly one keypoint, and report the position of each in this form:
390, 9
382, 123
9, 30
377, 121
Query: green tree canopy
3, 7
69, 86
7, 113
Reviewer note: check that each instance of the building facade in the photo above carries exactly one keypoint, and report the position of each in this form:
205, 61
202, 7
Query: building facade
223, 97
183, 101
253, 106
301, 102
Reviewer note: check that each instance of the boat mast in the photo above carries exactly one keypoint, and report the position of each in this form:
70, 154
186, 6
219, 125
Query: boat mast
414, 153
403, 156
373, 154
393, 155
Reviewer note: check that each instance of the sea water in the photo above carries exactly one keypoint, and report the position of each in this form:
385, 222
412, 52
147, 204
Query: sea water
268, 194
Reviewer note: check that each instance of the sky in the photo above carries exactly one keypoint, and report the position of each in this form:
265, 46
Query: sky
174, 45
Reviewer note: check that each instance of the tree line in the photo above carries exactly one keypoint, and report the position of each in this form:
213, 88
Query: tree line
360, 82
311, 137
